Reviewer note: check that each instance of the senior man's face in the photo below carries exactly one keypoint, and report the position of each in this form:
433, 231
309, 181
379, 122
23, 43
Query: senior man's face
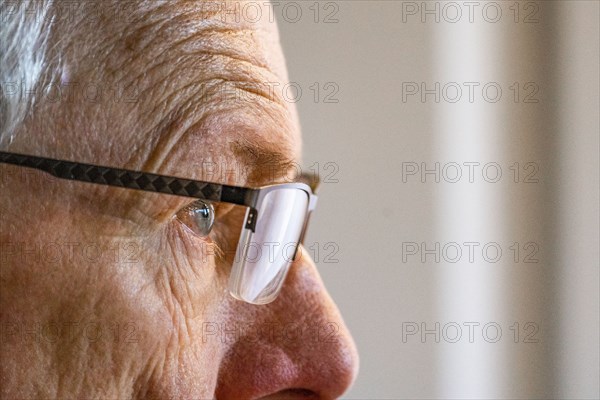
106, 292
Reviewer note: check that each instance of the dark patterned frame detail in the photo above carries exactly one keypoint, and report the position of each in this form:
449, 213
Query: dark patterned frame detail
138, 180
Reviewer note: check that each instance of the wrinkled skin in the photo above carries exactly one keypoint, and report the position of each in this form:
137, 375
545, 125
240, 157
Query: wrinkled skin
104, 292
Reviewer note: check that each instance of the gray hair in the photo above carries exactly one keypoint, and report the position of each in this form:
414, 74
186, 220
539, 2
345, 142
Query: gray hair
24, 32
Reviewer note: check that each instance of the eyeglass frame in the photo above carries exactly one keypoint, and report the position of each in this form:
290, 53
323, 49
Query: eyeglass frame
251, 197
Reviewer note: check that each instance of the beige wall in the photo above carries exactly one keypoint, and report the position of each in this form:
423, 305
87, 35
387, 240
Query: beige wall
364, 55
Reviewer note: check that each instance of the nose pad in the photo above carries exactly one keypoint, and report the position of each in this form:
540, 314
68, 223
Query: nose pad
301, 241
296, 252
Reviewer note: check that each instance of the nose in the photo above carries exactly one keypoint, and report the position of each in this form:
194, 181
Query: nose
296, 347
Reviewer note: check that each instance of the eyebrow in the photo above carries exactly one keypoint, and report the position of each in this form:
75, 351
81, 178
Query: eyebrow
266, 164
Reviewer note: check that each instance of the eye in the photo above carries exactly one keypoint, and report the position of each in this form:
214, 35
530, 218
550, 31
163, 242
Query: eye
199, 217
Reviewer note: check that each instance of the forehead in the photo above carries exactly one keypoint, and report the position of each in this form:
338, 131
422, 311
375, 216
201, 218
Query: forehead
207, 74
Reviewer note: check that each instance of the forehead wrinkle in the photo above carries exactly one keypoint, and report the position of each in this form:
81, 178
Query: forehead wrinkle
193, 89
192, 85
191, 26
208, 114
205, 77
179, 29
188, 65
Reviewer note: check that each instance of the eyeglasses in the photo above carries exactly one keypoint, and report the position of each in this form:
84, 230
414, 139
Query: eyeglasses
276, 216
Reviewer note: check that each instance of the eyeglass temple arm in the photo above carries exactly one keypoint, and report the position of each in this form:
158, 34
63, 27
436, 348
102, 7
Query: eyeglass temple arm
133, 179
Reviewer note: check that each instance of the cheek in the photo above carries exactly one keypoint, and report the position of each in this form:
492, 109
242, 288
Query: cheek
190, 286
171, 295
185, 279
137, 308
184, 269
